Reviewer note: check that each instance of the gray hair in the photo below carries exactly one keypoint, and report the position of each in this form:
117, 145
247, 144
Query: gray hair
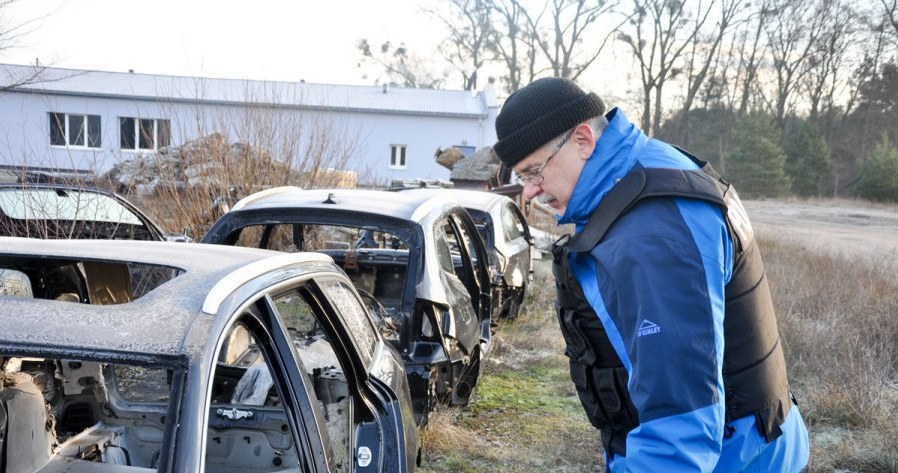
597, 124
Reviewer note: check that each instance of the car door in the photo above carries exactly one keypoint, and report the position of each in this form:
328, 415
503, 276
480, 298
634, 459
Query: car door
476, 272
516, 247
374, 371
263, 414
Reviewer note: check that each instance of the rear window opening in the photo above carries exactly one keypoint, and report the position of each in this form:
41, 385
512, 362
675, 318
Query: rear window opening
68, 214
376, 261
81, 281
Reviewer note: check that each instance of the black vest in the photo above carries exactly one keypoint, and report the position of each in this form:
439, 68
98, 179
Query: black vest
754, 369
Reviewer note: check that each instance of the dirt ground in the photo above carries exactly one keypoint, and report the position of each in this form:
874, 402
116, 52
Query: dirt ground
849, 228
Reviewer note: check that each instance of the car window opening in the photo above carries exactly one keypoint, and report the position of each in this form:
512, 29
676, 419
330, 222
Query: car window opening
81, 281
56, 412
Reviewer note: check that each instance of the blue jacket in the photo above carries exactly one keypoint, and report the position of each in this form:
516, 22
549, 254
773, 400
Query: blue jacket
656, 283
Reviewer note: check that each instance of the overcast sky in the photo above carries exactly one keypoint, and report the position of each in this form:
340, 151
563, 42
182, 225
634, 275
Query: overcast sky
285, 40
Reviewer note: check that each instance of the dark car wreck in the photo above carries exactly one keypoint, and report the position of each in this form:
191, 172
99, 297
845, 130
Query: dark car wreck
180, 358
61, 211
418, 259
507, 237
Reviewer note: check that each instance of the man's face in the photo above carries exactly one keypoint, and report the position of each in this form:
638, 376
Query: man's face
551, 172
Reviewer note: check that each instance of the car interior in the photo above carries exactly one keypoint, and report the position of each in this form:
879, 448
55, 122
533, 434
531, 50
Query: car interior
377, 262
65, 415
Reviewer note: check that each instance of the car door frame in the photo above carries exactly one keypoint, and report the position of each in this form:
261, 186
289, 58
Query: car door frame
294, 387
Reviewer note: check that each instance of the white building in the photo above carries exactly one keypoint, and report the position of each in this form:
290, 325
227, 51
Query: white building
90, 120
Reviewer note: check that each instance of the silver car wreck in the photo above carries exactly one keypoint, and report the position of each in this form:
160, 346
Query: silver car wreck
128, 357
507, 238
417, 259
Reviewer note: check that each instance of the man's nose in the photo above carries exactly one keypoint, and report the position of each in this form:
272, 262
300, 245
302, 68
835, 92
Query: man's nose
531, 190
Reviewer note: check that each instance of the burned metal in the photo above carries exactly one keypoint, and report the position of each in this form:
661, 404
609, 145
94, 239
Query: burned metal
416, 259
287, 372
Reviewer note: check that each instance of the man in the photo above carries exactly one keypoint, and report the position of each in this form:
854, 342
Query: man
662, 297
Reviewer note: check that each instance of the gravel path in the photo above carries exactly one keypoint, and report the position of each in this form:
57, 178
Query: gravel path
852, 229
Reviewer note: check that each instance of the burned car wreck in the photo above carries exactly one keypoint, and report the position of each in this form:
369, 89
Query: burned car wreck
507, 238
417, 259
162, 361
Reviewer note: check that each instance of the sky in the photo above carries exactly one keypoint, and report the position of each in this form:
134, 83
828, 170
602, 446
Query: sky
284, 40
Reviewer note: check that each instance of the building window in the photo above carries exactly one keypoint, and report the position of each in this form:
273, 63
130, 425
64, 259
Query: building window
67, 129
397, 156
144, 133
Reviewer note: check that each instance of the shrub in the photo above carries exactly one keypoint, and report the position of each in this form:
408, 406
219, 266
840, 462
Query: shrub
757, 164
808, 163
879, 174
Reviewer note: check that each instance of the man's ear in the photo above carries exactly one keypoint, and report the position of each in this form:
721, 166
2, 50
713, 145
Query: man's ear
584, 140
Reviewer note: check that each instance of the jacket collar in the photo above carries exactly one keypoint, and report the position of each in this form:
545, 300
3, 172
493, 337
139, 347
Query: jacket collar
612, 159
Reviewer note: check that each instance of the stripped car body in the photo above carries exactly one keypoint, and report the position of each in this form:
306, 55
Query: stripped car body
418, 257
182, 358
61, 211
507, 237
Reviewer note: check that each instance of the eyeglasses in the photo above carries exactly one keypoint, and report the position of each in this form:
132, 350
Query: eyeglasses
535, 177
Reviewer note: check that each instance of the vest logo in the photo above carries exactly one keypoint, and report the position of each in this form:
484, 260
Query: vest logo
647, 327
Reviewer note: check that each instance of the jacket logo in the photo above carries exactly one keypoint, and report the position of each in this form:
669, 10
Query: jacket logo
647, 327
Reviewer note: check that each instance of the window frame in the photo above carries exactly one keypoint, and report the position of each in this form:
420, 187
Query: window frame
64, 128
295, 389
161, 129
398, 156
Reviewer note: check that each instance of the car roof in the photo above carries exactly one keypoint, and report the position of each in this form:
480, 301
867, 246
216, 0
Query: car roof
54, 185
406, 206
468, 198
154, 324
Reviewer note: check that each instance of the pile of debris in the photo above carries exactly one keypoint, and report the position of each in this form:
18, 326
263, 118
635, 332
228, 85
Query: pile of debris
209, 161
479, 170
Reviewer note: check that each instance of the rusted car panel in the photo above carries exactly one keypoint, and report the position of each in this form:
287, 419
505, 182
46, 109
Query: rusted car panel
506, 235
203, 359
417, 257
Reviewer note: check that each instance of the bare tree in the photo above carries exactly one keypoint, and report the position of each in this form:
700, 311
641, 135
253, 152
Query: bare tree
513, 43
470, 31
890, 9
398, 65
11, 32
792, 34
570, 22
751, 56
702, 55
828, 59
659, 52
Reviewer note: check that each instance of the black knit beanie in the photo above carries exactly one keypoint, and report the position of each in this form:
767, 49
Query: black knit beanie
542, 110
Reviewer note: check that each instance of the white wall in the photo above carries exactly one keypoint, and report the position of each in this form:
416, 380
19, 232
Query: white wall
24, 132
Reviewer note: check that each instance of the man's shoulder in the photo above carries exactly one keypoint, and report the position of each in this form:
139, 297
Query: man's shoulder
668, 217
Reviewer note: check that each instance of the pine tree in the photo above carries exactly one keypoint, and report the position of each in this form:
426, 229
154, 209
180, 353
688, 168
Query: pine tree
879, 174
757, 164
808, 163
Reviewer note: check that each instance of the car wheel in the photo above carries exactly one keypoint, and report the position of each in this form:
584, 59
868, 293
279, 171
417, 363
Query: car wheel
512, 303
466, 381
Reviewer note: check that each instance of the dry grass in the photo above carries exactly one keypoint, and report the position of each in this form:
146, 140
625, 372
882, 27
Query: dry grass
525, 415
837, 320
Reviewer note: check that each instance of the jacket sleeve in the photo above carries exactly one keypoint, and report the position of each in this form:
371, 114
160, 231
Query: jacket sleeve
657, 284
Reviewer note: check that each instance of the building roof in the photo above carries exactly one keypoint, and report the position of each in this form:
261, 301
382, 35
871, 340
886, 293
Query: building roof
303, 95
